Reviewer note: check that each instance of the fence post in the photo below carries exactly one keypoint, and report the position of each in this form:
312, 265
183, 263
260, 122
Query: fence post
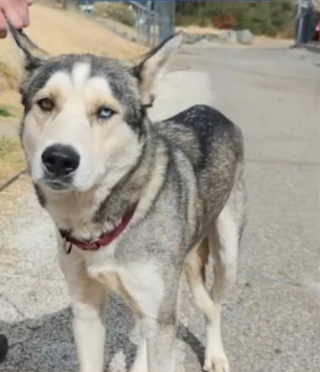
165, 12
148, 21
304, 18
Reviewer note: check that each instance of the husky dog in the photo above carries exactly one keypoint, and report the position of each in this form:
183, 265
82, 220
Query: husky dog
135, 203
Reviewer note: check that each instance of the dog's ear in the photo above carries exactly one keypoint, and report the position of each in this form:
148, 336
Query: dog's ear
30, 55
153, 66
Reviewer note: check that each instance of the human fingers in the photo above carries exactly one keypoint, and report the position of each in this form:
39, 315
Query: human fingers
3, 26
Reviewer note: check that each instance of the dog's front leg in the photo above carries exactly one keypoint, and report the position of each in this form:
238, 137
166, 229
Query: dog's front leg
141, 363
89, 333
153, 290
161, 346
156, 351
88, 304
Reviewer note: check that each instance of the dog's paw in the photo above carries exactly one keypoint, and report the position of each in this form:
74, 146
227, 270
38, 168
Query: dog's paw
216, 363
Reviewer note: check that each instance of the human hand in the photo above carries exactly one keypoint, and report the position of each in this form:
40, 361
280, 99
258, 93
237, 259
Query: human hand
13, 11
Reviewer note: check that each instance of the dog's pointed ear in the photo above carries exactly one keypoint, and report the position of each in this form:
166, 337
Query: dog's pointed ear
153, 66
31, 56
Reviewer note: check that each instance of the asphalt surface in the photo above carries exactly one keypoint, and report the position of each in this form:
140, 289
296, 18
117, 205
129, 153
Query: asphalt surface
271, 320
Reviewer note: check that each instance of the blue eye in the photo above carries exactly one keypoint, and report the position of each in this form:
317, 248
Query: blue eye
105, 113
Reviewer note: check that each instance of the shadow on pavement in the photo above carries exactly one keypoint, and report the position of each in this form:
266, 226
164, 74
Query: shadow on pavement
46, 344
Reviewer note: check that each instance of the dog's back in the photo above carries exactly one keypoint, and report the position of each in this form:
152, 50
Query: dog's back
214, 146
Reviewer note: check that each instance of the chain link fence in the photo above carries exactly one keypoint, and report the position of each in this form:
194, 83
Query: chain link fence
154, 19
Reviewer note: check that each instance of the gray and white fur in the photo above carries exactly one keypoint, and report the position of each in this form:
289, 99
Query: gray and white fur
93, 153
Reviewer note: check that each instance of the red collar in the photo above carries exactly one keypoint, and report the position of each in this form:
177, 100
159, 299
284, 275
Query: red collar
104, 240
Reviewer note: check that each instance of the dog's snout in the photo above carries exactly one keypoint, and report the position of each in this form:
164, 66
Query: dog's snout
60, 160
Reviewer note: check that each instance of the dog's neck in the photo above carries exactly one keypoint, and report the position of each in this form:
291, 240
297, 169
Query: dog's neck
88, 215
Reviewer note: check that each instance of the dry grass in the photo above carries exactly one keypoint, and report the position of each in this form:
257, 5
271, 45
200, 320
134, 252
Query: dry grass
11, 158
9, 200
193, 29
119, 12
8, 76
11, 162
58, 31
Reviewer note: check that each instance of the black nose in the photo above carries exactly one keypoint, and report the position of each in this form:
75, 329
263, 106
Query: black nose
60, 160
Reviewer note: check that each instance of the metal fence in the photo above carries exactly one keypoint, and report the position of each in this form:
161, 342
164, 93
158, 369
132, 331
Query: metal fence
155, 19
146, 25
165, 18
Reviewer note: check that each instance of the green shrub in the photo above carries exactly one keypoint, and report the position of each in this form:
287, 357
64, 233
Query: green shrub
117, 11
4, 112
266, 18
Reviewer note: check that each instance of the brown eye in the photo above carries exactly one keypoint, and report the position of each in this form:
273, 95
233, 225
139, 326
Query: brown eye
46, 104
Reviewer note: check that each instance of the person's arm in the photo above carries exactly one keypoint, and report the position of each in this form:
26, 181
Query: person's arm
13, 11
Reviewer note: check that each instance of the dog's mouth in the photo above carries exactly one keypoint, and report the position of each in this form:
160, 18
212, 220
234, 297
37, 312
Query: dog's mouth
58, 184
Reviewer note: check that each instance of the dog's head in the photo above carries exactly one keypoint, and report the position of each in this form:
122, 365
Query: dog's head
85, 115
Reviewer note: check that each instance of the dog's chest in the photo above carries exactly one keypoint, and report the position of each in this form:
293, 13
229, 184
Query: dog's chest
103, 267
140, 284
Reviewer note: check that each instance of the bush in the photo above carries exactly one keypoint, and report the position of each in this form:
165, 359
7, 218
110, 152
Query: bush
270, 18
117, 11
4, 112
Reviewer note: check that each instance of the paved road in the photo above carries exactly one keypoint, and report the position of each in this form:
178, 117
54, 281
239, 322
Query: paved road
270, 321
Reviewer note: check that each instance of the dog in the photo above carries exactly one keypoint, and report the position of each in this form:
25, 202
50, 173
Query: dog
135, 203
